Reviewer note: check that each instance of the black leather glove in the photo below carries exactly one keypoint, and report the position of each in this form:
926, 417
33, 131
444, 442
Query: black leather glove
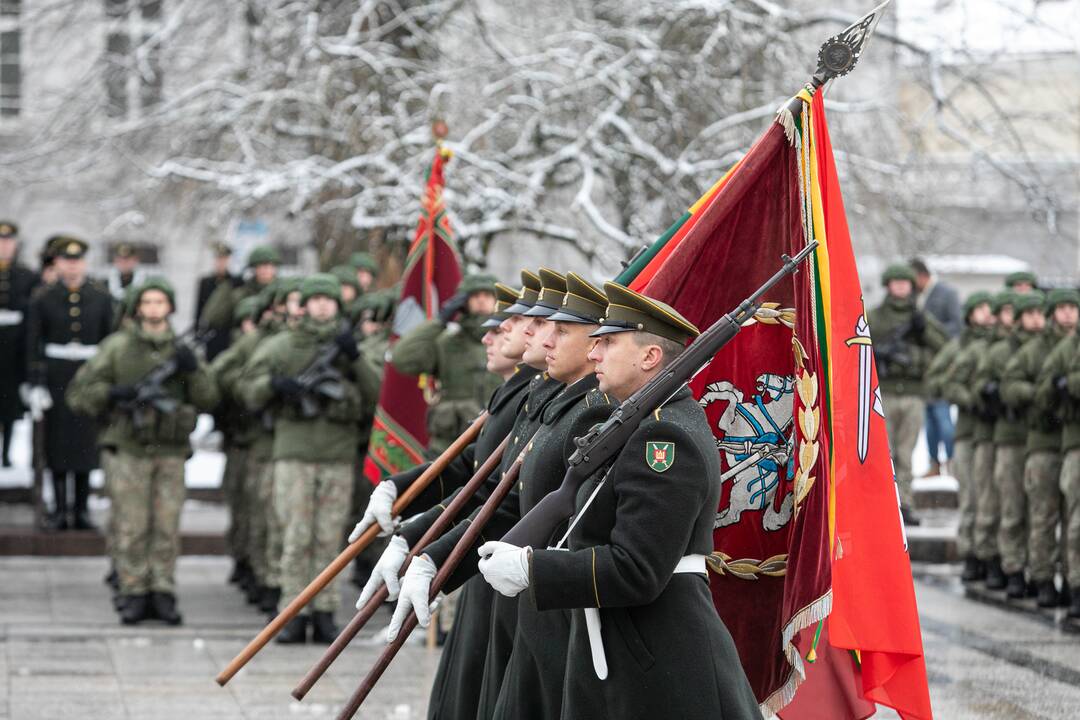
918, 323
346, 343
285, 386
1061, 383
990, 389
122, 393
453, 306
186, 362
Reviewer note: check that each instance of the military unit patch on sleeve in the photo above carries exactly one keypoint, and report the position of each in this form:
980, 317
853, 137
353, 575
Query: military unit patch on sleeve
660, 455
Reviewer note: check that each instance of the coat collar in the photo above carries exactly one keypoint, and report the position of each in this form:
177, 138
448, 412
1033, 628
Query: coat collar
512, 388
570, 396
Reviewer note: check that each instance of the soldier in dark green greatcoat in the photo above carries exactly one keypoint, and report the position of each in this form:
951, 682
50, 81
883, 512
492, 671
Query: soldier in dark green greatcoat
636, 558
448, 350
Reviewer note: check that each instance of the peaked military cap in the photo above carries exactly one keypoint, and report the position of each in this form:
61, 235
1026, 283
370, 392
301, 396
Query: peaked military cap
583, 303
530, 291
628, 311
505, 296
8, 229
124, 250
1033, 300
320, 284
1003, 299
221, 249
264, 254
156, 283
976, 299
1024, 276
550, 297
1062, 296
898, 271
69, 247
364, 261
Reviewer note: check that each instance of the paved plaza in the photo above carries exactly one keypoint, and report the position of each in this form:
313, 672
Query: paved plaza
63, 655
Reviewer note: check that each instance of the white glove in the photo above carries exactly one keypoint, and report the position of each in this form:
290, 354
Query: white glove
380, 509
415, 591
505, 567
386, 571
39, 401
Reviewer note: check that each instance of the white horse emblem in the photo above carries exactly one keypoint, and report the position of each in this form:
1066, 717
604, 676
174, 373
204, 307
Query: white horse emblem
756, 446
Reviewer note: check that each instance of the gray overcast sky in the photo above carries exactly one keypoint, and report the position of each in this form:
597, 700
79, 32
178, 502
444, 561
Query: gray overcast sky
980, 26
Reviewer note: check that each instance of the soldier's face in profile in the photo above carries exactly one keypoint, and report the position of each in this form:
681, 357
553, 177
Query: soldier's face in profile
496, 362
614, 357
154, 307
321, 308
536, 331
7, 249
512, 337
1033, 320
568, 347
1066, 315
265, 273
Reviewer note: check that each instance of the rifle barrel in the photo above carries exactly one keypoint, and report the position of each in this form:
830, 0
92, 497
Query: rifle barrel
433, 533
348, 554
471, 536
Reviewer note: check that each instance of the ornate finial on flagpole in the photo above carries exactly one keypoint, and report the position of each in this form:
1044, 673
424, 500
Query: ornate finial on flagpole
439, 131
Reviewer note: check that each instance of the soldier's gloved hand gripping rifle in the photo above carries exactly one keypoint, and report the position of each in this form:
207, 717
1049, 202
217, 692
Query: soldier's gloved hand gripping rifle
593, 452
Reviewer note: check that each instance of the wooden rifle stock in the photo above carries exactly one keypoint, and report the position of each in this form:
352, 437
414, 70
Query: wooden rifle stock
433, 533
349, 554
447, 569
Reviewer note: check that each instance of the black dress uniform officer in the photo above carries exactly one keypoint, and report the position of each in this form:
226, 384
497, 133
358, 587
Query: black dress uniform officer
636, 562
207, 285
66, 322
16, 283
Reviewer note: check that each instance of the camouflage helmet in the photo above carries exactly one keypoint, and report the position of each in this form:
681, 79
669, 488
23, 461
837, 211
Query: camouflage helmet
154, 283
376, 306
477, 282
364, 261
1062, 296
320, 284
346, 275
284, 287
975, 299
1033, 300
248, 309
264, 254
1024, 276
898, 271
1003, 299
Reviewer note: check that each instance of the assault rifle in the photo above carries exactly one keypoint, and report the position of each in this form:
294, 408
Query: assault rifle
320, 379
601, 444
893, 349
150, 393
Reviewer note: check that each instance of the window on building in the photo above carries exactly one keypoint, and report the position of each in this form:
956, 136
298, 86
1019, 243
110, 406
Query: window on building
10, 52
133, 74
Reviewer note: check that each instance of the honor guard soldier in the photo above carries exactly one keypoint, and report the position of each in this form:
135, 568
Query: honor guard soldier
17, 282
125, 271
149, 389
636, 556
448, 350
65, 324
314, 441
207, 285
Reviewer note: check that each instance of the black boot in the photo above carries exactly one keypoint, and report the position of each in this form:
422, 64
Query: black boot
323, 629
1015, 587
1074, 607
163, 607
295, 633
113, 579
1065, 597
81, 520
8, 429
254, 592
995, 577
270, 598
58, 520
135, 609
237, 571
909, 516
974, 569
1048, 594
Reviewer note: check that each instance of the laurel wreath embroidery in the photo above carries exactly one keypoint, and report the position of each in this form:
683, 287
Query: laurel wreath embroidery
746, 568
806, 384
772, 314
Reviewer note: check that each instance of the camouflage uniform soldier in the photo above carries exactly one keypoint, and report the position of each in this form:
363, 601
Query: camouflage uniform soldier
312, 452
1009, 433
1058, 391
1021, 282
451, 352
217, 314
905, 340
367, 270
350, 287
1042, 468
148, 442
